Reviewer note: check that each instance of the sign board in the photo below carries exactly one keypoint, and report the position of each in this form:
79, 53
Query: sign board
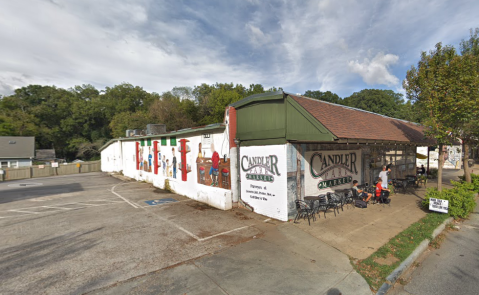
41, 166
438, 205
326, 171
2, 172
264, 180
206, 140
55, 164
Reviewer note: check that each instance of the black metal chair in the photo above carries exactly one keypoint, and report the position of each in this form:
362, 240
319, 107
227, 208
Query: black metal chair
304, 211
334, 202
349, 197
384, 198
320, 205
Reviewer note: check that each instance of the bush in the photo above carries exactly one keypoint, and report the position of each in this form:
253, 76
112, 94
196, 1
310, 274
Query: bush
460, 197
475, 182
433, 173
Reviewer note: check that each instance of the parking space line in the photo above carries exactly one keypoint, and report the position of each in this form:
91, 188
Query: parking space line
57, 207
223, 233
13, 210
124, 199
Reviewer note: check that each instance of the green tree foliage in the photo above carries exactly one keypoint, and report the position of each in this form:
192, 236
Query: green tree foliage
325, 96
446, 88
384, 102
75, 121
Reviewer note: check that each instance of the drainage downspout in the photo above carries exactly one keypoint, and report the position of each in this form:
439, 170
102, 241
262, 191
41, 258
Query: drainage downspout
238, 163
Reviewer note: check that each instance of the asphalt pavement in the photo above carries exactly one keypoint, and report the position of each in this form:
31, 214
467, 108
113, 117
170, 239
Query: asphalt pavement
92, 233
451, 269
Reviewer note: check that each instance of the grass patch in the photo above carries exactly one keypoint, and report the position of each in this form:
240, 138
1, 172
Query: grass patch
401, 246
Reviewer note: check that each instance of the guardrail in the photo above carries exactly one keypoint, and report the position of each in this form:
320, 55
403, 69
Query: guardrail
46, 171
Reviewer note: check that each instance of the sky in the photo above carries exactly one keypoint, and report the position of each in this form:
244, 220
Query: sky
342, 46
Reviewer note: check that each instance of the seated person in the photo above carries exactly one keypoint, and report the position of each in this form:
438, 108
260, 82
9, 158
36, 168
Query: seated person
380, 188
360, 192
423, 170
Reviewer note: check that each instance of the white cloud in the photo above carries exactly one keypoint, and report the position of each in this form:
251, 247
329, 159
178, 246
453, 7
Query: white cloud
257, 37
377, 70
162, 44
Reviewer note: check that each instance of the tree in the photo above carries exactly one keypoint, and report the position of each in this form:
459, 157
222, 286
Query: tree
126, 120
172, 111
445, 86
325, 96
470, 66
384, 102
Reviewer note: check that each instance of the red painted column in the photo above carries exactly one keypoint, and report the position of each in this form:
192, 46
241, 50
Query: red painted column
155, 153
137, 155
232, 126
184, 167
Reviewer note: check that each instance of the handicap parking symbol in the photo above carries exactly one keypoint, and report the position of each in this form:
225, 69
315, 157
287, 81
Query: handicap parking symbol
161, 201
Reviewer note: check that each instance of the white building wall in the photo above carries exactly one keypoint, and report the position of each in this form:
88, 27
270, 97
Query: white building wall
264, 180
111, 158
122, 157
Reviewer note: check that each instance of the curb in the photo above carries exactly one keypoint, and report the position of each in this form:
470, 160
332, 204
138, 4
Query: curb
391, 279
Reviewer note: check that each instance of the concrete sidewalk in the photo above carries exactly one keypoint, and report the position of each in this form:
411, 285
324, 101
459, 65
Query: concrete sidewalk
285, 260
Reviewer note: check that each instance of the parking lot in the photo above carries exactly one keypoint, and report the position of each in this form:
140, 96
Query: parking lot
75, 234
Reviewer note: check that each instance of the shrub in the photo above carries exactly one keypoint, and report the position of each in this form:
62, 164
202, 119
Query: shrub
433, 172
460, 197
474, 181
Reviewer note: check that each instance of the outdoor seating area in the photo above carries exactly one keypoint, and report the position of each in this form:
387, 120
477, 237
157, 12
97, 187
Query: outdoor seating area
333, 201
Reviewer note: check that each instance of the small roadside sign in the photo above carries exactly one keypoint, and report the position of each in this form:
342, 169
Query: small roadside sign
438, 205
54, 164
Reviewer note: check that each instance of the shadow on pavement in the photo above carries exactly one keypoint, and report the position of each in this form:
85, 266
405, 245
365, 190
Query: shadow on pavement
17, 194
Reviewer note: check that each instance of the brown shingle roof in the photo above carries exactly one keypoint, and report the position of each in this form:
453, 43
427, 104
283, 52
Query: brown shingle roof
350, 123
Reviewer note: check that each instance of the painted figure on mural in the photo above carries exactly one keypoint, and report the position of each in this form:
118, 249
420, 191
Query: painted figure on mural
164, 166
214, 170
150, 159
168, 167
141, 158
174, 163
200, 156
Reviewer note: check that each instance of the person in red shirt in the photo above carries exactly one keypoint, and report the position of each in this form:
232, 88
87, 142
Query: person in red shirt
379, 188
214, 171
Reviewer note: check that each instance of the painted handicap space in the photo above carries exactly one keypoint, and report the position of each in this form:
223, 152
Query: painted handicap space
161, 201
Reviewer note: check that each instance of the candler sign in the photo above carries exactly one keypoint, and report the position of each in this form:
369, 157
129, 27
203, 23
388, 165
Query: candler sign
331, 170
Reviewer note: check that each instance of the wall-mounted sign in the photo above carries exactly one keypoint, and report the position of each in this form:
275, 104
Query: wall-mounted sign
438, 205
206, 140
264, 179
41, 166
331, 170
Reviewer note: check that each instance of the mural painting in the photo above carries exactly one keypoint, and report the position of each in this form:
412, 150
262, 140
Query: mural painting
185, 165
453, 156
327, 171
213, 171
